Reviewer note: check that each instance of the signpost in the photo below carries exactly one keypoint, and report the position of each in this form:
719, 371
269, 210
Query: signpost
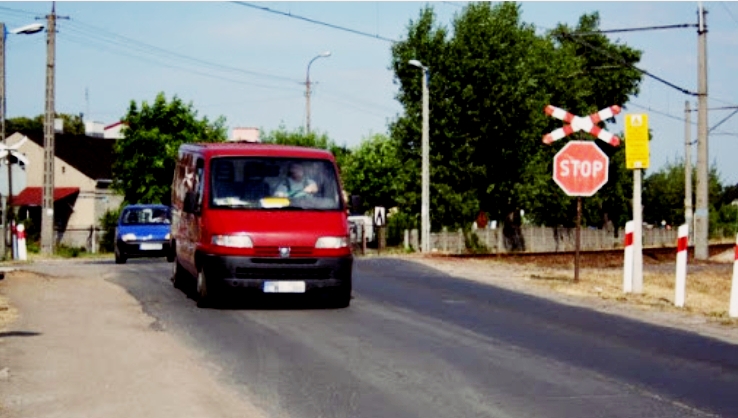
637, 158
380, 220
581, 168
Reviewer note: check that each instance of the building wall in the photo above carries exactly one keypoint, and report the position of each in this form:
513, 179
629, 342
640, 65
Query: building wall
91, 203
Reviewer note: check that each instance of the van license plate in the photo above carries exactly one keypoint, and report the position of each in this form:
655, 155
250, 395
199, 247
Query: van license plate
149, 246
284, 287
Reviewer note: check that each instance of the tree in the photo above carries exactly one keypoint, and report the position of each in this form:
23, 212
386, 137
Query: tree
663, 195
144, 159
73, 124
490, 79
298, 137
371, 172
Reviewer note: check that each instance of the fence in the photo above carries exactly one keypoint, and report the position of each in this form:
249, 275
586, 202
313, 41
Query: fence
540, 239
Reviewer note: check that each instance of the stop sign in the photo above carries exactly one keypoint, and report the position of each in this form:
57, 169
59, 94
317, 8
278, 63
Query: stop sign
580, 168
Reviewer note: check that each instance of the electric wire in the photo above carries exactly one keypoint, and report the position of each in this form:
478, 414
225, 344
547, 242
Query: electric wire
314, 21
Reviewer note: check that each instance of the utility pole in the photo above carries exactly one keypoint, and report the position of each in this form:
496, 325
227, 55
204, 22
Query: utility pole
2, 133
688, 169
701, 215
47, 204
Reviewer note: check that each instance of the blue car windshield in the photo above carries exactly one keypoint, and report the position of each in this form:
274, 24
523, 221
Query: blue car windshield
145, 216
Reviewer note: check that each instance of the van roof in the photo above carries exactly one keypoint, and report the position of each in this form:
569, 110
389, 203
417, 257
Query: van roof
257, 149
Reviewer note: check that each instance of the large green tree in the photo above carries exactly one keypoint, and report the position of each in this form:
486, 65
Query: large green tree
490, 79
144, 159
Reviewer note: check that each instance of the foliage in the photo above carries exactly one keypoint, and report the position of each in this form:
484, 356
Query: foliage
663, 195
490, 79
109, 221
371, 171
73, 124
145, 158
69, 252
299, 137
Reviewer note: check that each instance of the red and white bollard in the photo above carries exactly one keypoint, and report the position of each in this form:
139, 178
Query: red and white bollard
681, 265
733, 311
628, 262
22, 255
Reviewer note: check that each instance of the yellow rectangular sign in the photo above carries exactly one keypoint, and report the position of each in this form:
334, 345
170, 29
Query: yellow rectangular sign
636, 141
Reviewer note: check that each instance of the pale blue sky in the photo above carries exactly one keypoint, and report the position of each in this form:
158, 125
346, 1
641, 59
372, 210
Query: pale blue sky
354, 94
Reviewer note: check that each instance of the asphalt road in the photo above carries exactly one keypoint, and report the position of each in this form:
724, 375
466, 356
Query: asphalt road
417, 343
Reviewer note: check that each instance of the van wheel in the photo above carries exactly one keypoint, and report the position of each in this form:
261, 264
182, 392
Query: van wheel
178, 275
205, 293
340, 297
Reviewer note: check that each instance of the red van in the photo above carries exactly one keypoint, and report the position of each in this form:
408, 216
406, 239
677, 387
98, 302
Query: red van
270, 218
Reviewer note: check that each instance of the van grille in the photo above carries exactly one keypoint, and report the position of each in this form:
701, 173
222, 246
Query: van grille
274, 251
283, 273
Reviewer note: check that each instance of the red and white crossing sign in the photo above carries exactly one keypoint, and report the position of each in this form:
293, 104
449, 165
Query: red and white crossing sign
580, 168
579, 123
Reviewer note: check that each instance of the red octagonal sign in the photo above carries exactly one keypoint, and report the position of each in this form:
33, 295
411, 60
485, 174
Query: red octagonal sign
580, 168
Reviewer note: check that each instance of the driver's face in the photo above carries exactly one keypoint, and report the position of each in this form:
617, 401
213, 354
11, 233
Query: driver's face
296, 172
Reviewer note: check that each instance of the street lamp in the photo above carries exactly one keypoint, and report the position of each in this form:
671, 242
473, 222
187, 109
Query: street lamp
325, 54
425, 208
23, 30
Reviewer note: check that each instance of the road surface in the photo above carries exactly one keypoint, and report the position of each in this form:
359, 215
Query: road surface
417, 343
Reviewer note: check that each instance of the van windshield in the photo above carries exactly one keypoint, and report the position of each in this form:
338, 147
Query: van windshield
274, 183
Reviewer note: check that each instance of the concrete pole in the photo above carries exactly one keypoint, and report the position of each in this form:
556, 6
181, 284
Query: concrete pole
425, 210
5, 235
637, 233
701, 215
47, 208
307, 102
688, 169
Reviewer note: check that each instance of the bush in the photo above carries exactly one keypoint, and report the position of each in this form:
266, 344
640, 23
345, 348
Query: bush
109, 221
69, 252
396, 226
473, 244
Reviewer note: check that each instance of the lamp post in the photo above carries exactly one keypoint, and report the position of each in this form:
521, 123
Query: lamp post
325, 54
425, 208
24, 30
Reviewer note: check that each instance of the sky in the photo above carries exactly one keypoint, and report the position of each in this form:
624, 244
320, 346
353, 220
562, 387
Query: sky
250, 65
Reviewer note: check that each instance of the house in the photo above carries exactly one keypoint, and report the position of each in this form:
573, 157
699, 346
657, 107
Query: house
245, 134
82, 179
114, 130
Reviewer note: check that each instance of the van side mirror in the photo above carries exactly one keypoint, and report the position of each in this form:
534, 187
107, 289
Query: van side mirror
189, 204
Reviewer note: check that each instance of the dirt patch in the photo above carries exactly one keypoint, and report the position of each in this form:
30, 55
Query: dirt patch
601, 287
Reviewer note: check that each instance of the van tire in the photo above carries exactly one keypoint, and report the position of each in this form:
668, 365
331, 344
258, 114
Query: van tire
178, 275
204, 290
340, 297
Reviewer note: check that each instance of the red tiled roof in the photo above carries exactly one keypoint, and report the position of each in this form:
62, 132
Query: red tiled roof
113, 125
31, 196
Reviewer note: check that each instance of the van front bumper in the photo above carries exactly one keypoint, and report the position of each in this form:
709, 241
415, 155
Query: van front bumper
253, 272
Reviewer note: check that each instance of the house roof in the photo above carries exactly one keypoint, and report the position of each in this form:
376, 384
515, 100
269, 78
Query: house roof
92, 156
31, 196
113, 125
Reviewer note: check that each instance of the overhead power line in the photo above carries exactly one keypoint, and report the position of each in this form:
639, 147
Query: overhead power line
641, 29
317, 22
725, 6
623, 62
120, 40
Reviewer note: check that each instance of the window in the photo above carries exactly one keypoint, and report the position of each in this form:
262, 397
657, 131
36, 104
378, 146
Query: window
274, 183
146, 216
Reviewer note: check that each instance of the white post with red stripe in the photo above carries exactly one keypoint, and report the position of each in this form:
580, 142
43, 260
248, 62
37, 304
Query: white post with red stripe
733, 311
681, 266
22, 254
628, 262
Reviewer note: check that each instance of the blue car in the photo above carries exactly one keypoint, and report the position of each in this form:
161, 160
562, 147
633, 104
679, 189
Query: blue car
143, 231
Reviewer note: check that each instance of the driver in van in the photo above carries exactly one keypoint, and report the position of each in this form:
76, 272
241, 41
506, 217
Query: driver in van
297, 184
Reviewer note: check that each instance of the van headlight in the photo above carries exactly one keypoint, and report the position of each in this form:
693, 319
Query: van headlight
128, 237
234, 241
331, 242
168, 236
